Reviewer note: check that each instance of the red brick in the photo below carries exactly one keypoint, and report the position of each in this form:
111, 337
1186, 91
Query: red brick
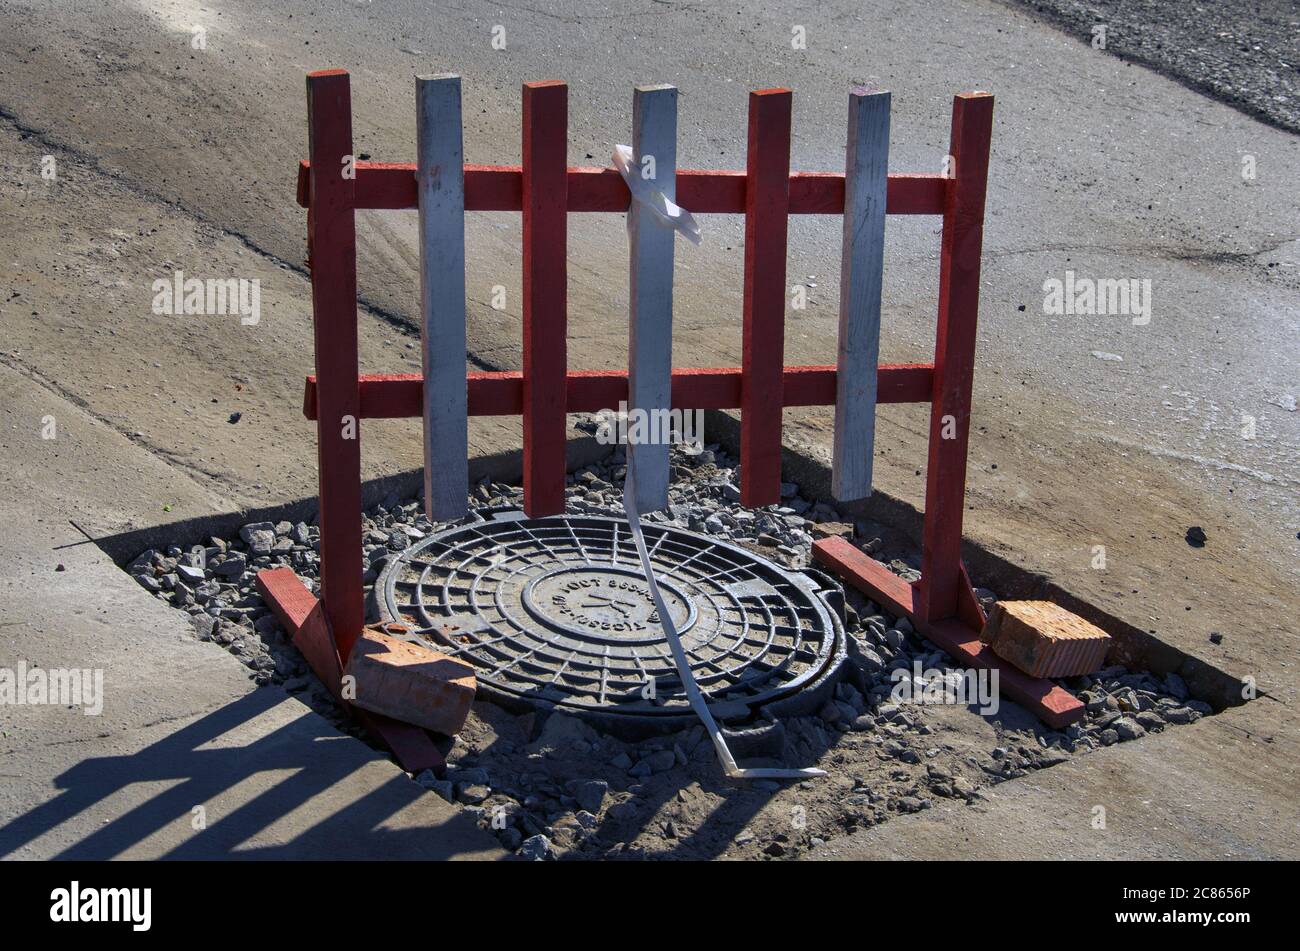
1045, 640
410, 682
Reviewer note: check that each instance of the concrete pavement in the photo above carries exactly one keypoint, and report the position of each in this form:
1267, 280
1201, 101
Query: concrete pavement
187, 759
1221, 789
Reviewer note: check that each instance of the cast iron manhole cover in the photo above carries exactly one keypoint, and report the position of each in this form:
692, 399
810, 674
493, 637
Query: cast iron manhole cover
555, 610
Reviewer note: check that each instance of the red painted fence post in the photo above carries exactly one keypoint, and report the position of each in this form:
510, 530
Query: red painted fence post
942, 578
331, 236
545, 229
767, 207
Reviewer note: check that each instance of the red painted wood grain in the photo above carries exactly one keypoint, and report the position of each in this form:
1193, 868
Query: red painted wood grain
767, 211
332, 243
545, 203
954, 357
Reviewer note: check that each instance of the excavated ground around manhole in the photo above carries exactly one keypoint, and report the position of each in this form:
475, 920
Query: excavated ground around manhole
557, 611
552, 786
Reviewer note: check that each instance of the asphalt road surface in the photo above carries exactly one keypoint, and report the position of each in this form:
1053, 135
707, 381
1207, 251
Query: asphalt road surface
1243, 52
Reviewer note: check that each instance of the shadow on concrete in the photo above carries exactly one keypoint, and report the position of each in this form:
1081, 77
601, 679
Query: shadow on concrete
295, 792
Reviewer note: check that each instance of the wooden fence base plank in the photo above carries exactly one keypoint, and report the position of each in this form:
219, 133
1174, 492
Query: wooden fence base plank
1055, 706
304, 619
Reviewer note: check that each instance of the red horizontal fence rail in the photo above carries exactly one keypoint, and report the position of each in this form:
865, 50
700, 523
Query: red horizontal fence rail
941, 604
401, 395
382, 186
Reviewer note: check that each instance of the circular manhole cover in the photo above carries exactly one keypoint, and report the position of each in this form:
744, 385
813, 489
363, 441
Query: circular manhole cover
556, 611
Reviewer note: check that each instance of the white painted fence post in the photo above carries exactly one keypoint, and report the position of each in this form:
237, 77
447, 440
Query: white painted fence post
650, 347
441, 187
861, 272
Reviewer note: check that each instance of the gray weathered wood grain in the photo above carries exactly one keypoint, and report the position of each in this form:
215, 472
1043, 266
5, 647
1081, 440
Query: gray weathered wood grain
440, 184
861, 272
650, 346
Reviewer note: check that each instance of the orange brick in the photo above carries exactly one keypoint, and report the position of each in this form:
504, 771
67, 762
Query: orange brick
1045, 640
410, 682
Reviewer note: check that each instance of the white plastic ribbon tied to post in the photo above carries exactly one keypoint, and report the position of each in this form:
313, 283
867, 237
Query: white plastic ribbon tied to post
667, 213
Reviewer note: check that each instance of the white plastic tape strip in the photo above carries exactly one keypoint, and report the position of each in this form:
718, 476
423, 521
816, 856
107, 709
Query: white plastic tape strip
643, 190
679, 655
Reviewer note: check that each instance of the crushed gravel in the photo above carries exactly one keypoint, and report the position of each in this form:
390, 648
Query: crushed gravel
1246, 55
553, 787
